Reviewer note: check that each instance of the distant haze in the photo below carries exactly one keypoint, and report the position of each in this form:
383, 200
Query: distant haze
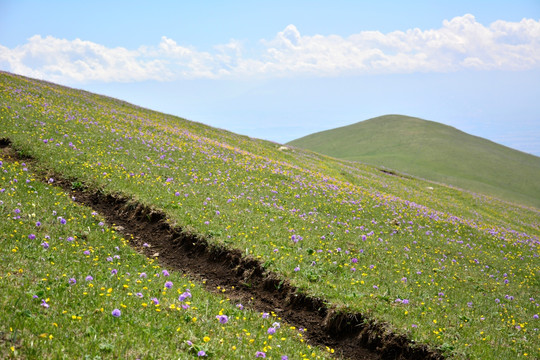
282, 70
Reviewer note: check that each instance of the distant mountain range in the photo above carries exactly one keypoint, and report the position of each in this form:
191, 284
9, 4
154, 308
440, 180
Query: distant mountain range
434, 151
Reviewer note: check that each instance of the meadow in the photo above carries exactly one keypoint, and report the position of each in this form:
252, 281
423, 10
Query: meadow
455, 270
73, 288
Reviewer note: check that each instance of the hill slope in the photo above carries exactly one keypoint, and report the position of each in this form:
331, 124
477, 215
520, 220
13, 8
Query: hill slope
436, 152
426, 262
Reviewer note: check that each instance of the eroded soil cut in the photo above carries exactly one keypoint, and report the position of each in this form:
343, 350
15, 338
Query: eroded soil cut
352, 336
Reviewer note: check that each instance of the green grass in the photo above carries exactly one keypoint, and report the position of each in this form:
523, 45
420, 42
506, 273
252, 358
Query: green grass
363, 240
434, 151
63, 274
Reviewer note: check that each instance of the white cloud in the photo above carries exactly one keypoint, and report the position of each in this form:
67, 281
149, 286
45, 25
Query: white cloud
461, 43
78, 60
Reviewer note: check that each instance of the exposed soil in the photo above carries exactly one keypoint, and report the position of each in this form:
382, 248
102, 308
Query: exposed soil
351, 335
393, 173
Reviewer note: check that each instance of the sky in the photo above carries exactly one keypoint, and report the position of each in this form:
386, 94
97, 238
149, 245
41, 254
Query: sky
280, 70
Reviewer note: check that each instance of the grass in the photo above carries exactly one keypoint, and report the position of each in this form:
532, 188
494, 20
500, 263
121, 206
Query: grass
434, 151
72, 288
456, 270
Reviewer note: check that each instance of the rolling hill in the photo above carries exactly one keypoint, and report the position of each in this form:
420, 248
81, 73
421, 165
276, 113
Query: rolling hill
129, 233
436, 152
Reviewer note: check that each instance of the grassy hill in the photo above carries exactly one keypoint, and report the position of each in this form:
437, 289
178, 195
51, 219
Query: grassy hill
436, 152
448, 269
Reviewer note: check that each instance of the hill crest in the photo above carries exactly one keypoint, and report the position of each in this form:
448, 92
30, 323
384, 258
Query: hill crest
433, 151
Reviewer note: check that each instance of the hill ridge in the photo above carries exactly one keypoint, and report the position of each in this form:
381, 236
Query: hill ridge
433, 151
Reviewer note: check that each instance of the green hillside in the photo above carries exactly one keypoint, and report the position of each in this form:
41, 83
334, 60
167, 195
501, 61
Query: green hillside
307, 256
436, 152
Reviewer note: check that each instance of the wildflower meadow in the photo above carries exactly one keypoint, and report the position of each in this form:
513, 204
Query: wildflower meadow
457, 271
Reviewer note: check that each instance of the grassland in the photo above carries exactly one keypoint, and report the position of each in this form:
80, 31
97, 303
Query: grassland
436, 152
455, 270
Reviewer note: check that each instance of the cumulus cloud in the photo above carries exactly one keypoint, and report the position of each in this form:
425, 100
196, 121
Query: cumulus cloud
78, 60
460, 43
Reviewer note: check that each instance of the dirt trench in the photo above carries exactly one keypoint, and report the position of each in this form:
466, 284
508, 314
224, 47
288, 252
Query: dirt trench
352, 336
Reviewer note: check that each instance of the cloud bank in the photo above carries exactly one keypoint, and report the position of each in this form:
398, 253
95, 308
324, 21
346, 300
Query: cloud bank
460, 43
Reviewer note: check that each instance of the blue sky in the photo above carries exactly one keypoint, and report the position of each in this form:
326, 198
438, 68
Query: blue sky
280, 70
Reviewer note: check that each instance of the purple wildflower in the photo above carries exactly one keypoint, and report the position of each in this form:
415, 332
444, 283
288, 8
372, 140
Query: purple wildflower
116, 313
184, 296
223, 319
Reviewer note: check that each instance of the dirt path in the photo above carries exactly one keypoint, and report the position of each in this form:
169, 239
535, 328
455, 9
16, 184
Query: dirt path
350, 335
